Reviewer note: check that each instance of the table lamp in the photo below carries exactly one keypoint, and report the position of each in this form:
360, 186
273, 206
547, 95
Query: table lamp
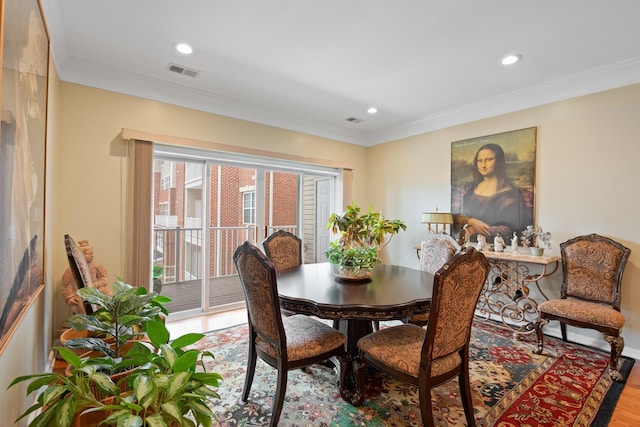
437, 218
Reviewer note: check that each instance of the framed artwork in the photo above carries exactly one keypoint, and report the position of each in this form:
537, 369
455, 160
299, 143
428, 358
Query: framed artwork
23, 100
492, 184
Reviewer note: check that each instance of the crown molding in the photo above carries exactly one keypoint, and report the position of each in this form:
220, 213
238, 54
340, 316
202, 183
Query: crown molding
616, 75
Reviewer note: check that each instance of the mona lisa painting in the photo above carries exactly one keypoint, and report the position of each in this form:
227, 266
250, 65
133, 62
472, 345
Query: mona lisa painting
25, 57
492, 184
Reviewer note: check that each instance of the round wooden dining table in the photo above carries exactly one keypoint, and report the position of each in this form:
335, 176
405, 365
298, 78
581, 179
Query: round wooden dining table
392, 292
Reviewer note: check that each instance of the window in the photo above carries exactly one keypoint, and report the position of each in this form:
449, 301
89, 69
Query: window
249, 207
163, 208
166, 175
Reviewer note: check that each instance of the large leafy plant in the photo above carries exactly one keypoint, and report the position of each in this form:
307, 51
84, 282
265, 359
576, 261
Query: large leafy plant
361, 236
64, 395
166, 387
122, 316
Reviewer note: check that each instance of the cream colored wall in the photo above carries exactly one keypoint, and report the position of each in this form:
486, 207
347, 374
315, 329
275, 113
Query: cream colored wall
93, 164
588, 153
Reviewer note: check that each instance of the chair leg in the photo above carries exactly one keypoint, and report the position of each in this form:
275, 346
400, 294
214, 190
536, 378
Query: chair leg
251, 369
465, 394
563, 330
426, 411
617, 344
358, 367
278, 399
344, 361
538, 325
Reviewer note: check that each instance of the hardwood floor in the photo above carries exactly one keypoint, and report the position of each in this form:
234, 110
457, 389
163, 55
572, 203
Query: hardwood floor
626, 413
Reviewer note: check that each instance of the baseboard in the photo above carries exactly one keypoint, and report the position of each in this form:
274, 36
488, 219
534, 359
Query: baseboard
589, 341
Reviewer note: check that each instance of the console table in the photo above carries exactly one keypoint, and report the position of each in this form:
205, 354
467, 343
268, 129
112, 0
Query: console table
506, 294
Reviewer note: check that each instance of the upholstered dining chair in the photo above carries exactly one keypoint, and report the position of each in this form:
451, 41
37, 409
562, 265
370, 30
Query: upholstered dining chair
592, 267
284, 343
284, 249
435, 251
428, 358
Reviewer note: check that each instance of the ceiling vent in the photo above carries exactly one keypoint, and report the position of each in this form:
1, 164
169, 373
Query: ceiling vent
189, 72
354, 120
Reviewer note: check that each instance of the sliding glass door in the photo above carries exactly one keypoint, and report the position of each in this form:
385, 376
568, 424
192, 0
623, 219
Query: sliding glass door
178, 232
203, 210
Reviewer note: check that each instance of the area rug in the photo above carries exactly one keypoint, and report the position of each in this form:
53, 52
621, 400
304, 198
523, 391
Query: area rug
568, 385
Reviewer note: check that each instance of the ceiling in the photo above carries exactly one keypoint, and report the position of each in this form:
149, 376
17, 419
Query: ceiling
310, 65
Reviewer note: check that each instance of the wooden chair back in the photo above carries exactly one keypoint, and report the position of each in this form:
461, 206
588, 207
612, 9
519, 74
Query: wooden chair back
258, 278
284, 249
592, 267
456, 289
79, 267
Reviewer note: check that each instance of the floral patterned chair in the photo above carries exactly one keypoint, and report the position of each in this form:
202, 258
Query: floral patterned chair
428, 358
590, 294
435, 251
284, 343
284, 249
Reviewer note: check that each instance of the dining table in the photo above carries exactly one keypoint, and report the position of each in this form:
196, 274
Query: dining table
392, 292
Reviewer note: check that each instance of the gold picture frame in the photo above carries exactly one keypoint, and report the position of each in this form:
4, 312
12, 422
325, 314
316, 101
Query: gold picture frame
24, 74
493, 184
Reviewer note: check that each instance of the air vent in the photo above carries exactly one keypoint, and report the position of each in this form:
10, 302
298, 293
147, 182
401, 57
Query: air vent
189, 72
354, 120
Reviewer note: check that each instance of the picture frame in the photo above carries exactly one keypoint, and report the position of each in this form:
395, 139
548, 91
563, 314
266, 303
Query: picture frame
493, 184
24, 75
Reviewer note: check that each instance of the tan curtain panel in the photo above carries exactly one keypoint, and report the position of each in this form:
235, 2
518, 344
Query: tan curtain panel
139, 261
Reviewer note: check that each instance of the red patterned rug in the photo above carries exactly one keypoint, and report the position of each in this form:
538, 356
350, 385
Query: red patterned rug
568, 385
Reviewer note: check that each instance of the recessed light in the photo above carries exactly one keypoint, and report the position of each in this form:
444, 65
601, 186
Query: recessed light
184, 48
510, 59
372, 110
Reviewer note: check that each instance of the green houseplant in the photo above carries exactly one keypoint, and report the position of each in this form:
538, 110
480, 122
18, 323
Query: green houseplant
167, 384
157, 272
361, 236
166, 388
113, 328
120, 317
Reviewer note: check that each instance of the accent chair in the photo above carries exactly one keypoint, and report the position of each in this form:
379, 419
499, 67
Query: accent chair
592, 267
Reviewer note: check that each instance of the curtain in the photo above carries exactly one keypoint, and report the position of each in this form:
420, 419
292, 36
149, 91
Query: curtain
138, 264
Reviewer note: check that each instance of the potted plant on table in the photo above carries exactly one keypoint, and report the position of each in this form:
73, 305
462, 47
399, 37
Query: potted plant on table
361, 237
536, 239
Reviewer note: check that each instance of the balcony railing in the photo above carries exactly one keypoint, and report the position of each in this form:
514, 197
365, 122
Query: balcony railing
179, 251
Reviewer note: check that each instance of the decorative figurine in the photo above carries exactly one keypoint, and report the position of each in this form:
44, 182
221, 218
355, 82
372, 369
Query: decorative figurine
467, 235
514, 243
464, 238
482, 242
498, 243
